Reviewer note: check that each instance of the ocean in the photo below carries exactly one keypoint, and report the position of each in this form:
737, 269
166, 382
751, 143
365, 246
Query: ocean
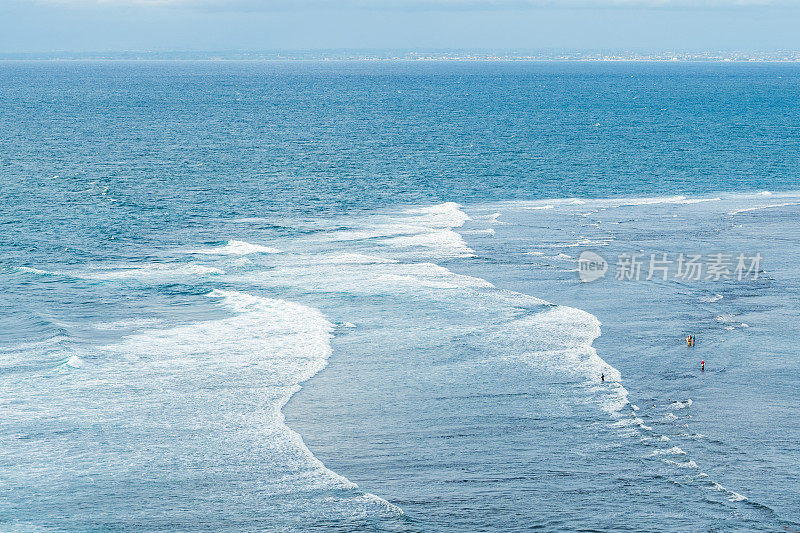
399, 296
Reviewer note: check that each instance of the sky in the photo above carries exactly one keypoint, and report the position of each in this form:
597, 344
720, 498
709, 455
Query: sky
257, 25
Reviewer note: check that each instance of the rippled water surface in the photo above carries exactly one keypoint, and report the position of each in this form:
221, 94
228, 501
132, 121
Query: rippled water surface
185, 244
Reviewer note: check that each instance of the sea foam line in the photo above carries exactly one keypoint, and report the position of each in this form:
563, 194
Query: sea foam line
305, 319
757, 208
615, 397
234, 247
286, 342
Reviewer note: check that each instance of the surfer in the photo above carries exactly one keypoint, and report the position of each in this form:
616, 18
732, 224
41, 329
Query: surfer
602, 378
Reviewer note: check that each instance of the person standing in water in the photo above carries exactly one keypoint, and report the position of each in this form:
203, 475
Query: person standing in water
702, 366
602, 378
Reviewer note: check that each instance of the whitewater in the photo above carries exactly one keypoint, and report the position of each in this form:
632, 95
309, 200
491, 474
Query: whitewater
346, 296
206, 397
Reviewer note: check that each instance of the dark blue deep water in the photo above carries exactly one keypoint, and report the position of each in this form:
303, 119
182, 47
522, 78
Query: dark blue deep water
184, 243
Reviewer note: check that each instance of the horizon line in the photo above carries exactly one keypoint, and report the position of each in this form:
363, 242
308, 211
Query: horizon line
411, 55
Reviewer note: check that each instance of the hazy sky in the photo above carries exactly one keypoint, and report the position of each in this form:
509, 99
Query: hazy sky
201, 25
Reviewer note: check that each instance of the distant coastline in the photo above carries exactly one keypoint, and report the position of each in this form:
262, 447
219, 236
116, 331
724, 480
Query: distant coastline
781, 56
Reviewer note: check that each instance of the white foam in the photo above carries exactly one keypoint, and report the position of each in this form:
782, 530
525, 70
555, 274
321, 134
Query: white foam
488, 231
446, 215
428, 233
698, 200
348, 258
433, 276
628, 202
234, 247
571, 351
366, 279
372, 230
771, 206
415, 233
440, 243
587, 243
632, 421
732, 496
73, 362
31, 270
152, 272
669, 451
682, 405
292, 342
241, 261
127, 324
541, 205
267, 347
492, 218
389, 507
681, 464
420, 282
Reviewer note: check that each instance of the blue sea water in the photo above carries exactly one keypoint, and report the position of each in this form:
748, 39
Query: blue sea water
185, 243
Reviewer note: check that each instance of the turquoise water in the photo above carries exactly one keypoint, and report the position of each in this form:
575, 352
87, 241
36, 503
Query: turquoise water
185, 244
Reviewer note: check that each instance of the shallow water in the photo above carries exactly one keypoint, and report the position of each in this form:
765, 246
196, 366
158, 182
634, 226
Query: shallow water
185, 244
